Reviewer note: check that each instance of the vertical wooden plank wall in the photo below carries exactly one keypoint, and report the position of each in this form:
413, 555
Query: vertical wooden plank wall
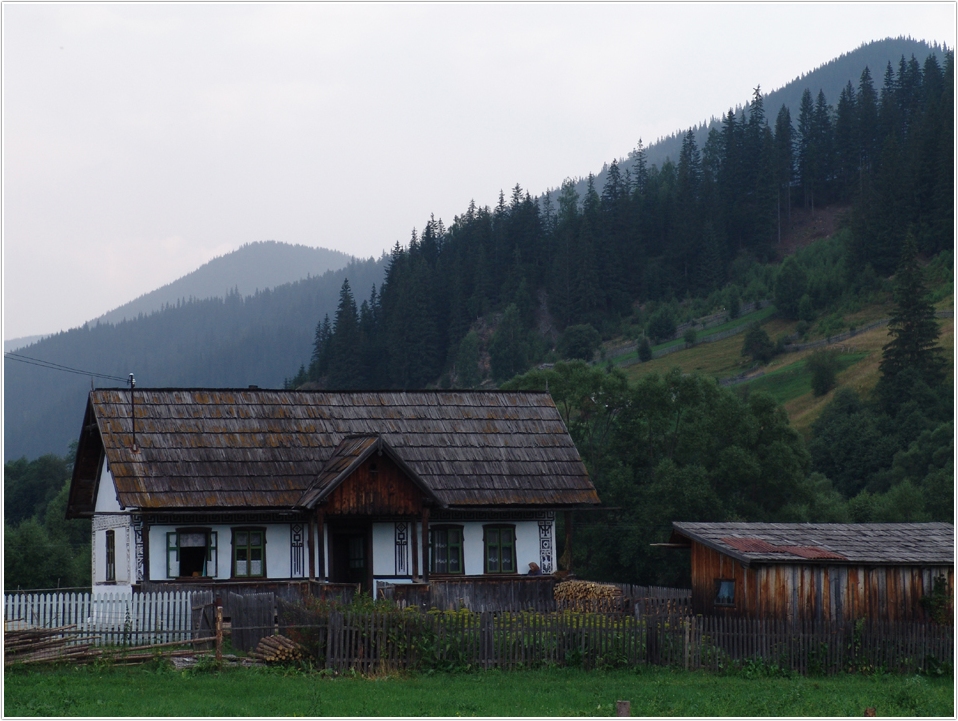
807, 591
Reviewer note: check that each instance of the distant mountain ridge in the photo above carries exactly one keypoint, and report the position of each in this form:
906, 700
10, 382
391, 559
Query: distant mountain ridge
22, 342
254, 266
217, 342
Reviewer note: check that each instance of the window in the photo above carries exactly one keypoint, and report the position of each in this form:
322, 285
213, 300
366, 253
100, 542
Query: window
500, 548
724, 592
111, 556
191, 553
445, 549
249, 552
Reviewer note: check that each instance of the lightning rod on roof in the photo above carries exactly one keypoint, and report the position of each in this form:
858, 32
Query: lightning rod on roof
132, 415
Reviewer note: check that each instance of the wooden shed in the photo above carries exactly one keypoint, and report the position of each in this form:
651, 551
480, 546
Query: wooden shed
816, 571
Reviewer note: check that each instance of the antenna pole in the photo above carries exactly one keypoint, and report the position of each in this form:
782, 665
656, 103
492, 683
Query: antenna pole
132, 414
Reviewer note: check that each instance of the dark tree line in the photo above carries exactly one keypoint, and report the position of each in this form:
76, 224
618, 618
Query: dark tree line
41, 549
650, 233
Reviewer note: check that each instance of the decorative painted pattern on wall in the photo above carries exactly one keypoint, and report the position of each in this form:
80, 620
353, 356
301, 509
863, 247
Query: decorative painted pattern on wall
297, 564
492, 515
402, 544
546, 547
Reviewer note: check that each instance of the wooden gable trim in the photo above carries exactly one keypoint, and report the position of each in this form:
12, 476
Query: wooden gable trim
380, 448
86, 468
375, 487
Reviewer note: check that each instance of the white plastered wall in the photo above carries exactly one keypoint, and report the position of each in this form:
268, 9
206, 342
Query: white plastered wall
108, 516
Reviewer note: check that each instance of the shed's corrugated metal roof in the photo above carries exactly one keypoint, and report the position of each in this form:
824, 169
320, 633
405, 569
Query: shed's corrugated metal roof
871, 543
202, 448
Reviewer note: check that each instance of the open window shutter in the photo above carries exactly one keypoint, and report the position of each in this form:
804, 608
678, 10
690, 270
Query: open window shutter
212, 557
172, 556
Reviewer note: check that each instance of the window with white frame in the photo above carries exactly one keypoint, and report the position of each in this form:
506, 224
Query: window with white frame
249, 552
445, 549
191, 553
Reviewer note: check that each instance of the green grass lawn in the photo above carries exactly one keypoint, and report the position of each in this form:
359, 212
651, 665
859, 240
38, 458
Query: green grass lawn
140, 691
795, 380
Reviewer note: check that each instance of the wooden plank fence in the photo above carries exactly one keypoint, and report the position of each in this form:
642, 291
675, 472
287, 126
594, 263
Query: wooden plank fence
111, 619
408, 639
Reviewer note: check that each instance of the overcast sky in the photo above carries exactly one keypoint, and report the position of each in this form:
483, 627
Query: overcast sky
140, 141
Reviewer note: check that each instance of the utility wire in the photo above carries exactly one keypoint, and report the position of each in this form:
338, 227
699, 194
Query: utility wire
58, 367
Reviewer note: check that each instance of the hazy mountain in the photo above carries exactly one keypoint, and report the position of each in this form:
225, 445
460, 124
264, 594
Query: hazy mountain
234, 341
22, 342
830, 78
254, 266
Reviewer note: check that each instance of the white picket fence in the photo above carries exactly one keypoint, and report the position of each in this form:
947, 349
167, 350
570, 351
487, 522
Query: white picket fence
119, 619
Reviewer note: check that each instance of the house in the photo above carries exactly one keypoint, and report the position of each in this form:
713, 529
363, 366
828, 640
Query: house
255, 487
816, 571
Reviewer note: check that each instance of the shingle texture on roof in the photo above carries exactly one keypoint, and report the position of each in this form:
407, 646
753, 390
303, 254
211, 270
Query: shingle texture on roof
871, 543
263, 448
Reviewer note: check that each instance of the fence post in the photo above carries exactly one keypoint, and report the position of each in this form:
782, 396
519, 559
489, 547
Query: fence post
623, 708
688, 624
219, 630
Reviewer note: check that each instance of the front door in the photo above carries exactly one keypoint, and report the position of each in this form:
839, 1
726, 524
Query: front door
351, 557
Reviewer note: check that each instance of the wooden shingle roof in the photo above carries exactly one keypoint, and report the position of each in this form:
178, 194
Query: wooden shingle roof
203, 448
864, 543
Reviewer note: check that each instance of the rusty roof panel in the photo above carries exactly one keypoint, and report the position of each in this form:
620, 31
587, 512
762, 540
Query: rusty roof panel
205, 447
751, 545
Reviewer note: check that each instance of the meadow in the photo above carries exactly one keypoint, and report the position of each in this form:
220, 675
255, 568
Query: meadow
159, 690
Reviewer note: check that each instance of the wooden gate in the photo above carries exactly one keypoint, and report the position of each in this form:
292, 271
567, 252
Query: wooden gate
254, 616
203, 611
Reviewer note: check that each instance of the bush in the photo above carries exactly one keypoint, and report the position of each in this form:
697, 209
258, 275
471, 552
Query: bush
645, 350
757, 344
690, 336
662, 325
579, 341
823, 365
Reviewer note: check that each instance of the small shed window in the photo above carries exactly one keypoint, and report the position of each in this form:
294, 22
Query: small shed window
111, 556
445, 549
500, 548
249, 552
724, 592
191, 553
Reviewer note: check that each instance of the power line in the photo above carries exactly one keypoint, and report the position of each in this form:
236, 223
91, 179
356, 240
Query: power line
58, 367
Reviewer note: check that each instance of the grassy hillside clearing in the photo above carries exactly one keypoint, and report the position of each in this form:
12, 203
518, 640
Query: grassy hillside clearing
785, 376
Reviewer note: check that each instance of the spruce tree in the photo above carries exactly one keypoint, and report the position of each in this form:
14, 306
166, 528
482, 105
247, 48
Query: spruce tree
914, 330
345, 368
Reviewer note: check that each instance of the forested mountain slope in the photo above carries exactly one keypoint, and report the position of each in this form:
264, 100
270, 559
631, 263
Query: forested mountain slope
529, 270
232, 341
252, 267
829, 78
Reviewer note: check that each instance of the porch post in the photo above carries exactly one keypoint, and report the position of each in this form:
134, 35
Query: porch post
320, 545
568, 539
425, 543
311, 547
145, 537
415, 551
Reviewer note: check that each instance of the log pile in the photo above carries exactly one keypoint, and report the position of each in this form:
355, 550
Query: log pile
49, 645
278, 649
587, 596
33, 645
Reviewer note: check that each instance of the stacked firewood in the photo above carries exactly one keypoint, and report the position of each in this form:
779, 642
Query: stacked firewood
586, 596
278, 649
32, 645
